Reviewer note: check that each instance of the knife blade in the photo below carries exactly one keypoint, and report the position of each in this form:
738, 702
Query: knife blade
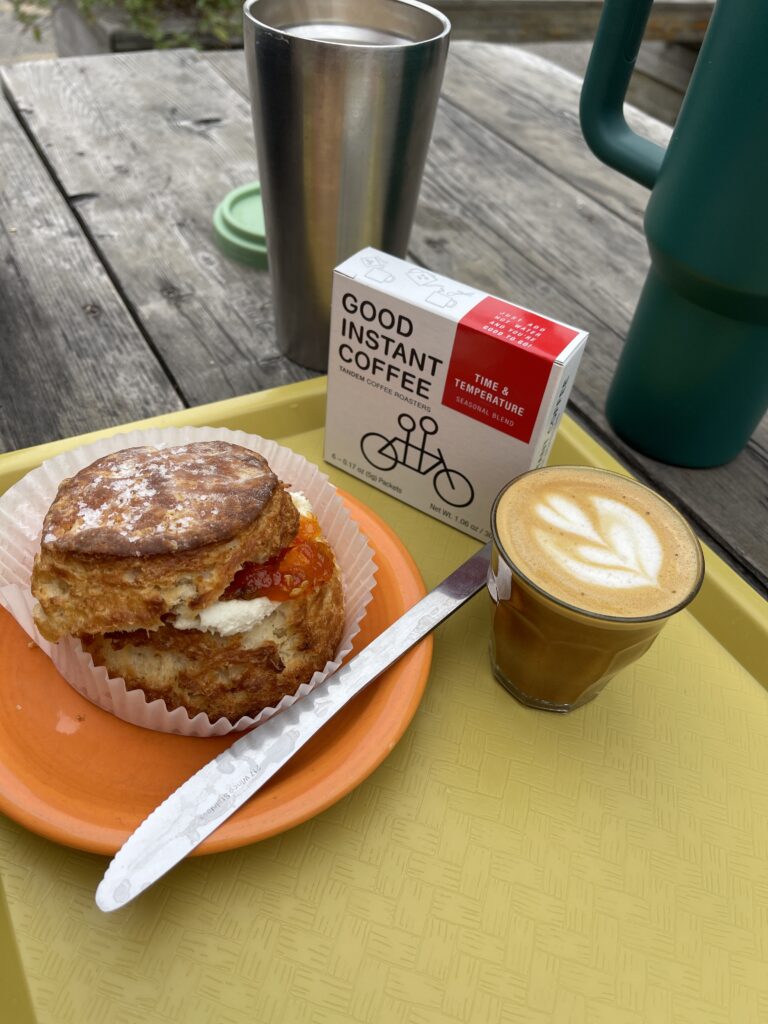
219, 788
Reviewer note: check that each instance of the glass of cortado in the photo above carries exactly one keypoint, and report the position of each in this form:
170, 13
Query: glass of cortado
587, 567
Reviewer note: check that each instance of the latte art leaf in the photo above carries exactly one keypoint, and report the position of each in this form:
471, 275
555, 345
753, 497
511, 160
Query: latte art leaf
566, 515
632, 535
596, 555
621, 551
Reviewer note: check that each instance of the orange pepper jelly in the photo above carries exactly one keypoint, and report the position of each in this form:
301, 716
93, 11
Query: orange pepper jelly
304, 566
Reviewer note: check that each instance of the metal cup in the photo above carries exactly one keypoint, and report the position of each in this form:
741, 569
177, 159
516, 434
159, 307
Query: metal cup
343, 95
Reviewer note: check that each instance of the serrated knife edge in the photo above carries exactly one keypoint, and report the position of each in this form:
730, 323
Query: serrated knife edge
219, 788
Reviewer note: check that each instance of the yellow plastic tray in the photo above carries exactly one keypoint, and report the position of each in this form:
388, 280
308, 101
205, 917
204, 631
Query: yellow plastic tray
503, 864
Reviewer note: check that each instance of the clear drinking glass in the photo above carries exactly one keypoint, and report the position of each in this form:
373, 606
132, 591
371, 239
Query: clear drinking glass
558, 637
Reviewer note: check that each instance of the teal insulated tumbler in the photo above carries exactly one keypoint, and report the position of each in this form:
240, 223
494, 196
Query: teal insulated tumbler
692, 380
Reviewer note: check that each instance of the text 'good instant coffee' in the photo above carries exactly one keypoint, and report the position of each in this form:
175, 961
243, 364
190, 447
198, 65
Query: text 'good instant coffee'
589, 565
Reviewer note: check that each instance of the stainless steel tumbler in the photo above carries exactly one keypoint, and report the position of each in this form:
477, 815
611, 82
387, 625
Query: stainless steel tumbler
343, 95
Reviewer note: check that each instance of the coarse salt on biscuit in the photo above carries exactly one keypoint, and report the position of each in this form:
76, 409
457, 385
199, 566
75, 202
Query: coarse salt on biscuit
146, 531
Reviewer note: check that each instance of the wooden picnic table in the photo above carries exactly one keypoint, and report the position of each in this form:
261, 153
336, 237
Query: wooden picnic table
501, 863
526, 21
115, 303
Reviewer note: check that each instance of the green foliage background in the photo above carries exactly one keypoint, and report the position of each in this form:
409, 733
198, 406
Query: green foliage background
215, 21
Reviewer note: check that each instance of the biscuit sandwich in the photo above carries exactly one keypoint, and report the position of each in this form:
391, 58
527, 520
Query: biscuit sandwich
192, 573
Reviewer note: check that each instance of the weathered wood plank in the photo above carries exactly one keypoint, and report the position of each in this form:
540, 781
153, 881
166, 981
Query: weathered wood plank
64, 328
657, 87
669, 63
659, 81
526, 21
513, 202
534, 106
506, 21
583, 268
146, 145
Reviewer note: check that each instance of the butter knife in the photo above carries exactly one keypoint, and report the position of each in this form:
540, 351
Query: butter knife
209, 797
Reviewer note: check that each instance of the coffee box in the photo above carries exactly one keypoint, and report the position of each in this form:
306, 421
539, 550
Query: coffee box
439, 393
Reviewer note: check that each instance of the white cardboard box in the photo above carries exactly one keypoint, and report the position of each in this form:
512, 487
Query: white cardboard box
439, 393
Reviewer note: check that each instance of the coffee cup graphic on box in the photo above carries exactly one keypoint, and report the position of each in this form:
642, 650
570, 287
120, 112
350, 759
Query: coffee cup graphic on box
439, 393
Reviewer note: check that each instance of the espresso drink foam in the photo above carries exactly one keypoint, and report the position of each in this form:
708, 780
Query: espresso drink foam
598, 541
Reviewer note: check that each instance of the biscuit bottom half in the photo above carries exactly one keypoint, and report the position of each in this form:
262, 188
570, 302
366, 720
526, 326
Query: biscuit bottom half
229, 676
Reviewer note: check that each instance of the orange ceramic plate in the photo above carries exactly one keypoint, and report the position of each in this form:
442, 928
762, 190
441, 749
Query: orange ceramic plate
76, 774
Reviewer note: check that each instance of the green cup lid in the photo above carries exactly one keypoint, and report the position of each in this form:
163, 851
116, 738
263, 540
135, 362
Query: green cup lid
238, 225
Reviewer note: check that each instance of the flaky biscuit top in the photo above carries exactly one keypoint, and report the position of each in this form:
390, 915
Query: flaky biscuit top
146, 532
153, 501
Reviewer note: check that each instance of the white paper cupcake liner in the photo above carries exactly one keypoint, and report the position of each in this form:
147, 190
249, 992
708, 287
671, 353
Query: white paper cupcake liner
23, 508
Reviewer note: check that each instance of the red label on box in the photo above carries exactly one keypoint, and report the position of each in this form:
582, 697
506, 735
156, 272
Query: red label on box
501, 360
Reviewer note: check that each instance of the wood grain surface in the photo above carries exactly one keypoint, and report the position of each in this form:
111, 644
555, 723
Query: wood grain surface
508, 135
64, 328
659, 79
525, 21
143, 146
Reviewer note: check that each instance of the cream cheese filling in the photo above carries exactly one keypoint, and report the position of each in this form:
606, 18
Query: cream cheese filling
226, 618
229, 617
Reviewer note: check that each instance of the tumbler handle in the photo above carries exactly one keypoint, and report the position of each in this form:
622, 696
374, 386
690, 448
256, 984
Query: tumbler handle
614, 52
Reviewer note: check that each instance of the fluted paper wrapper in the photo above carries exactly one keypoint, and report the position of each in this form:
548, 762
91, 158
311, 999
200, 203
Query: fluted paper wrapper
23, 508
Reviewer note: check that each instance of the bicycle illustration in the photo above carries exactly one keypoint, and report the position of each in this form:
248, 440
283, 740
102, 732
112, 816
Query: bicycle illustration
385, 453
